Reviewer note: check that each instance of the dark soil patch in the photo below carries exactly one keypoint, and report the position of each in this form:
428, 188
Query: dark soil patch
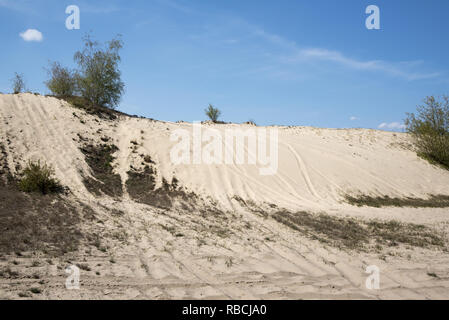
99, 158
141, 186
35, 222
434, 201
81, 103
5, 173
30, 222
99, 111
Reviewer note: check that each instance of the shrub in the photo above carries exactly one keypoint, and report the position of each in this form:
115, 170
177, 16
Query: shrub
18, 83
38, 178
430, 130
36, 290
62, 80
98, 78
212, 113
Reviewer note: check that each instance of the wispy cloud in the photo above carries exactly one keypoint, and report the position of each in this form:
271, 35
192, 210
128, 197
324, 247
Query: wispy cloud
398, 69
7, 4
32, 35
403, 69
273, 38
22, 6
98, 8
391, 126
282, 54
176, 5
353, 118
231, 41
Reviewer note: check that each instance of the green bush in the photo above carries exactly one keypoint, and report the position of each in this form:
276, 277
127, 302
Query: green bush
18, 83
62, 80
98, 78
39, 178
212, 113
430, 130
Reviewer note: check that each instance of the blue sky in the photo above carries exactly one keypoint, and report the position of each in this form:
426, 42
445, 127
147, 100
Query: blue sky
275, 62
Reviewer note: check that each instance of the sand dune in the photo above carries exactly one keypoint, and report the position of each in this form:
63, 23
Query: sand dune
217, 241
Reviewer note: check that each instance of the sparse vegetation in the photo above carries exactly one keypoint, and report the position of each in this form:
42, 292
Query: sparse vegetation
86, 105
36, 290
212, 113
18, 83
84, 266
39, 178
24, 295
148, 159
434, 201
352, 234
8, 273
430, 130
62, 82
32, 222
394, 232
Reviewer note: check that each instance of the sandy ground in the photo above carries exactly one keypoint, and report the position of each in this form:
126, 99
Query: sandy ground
175, 253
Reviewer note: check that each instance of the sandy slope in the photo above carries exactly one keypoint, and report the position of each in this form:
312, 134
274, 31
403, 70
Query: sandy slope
178, 254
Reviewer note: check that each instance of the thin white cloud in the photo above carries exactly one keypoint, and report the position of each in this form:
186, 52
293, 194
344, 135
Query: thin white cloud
99, 9
273, 38
403, 69
6, 4
323, 54
284, 52
353, 118
16, 5
391, 126
32, 35
231, 41
176, 5
394, 69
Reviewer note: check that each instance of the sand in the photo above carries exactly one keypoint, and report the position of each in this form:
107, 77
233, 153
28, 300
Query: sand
236, 254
